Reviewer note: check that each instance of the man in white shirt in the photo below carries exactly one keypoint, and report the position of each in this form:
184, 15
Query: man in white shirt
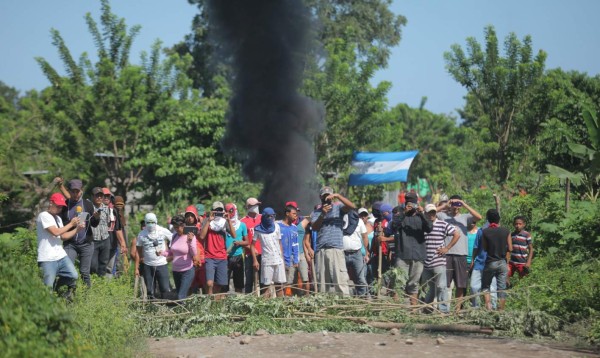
355, 261
52, 258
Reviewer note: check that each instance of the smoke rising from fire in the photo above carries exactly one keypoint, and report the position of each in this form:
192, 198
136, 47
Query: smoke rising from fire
271, 127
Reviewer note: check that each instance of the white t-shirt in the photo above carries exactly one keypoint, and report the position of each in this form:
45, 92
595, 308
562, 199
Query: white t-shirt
50, 247
146, 240
271, 249
354, 241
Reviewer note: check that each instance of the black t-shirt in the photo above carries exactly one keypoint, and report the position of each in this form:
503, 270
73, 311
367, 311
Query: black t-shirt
495, 239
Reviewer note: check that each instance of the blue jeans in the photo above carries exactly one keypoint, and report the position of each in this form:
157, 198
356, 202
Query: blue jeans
62, 268
100, 257
476, 288
355, 263
495, 269
435, 278
85, 251
183, 282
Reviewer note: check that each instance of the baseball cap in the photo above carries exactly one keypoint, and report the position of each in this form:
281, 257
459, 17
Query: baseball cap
325, 190
218, 205
252, 202
150, 218
58, 199
411, 198
106, 191
385, 207
363, 210
75, 184
97, 190
430, 207
293, 204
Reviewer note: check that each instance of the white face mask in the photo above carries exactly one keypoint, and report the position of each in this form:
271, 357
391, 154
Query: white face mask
253, 209
151, 227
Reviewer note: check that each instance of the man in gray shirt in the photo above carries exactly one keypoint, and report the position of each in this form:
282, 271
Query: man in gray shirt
456, 258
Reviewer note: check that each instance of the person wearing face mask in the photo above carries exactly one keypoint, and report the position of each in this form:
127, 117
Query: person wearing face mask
151, 242
411, 227
252, 219
328, 221
235, 248
381, 213
273, 269
214, 231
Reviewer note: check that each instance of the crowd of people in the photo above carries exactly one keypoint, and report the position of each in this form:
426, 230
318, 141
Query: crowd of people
336, 248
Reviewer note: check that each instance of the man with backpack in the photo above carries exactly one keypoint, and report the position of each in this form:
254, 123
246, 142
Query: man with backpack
355, 238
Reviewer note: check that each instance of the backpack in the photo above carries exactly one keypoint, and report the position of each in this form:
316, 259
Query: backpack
352, 220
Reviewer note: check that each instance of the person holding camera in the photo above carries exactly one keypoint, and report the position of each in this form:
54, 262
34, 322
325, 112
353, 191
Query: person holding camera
328, 221
182, 252
214, 232
456, 257
150, 243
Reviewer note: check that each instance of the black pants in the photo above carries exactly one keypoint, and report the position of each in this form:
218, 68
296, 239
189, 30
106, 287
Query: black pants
160, 273
249, 270
100, 257
235, 268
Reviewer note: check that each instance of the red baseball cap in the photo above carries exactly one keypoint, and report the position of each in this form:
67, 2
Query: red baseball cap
106, 191
58, 199
293, 204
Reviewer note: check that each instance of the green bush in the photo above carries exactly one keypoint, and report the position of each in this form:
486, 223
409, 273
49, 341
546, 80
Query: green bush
35, 322
564, 285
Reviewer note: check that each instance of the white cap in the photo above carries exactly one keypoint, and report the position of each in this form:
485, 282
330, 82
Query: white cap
430, 207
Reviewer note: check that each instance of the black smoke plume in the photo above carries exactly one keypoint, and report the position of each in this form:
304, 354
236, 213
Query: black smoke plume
271, 127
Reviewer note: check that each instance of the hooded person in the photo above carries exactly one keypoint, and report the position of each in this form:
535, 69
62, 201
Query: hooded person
192, 218
252, 219
213, 234
150, 242
268, 234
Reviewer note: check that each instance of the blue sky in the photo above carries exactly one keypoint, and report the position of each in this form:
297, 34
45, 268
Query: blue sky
567, 30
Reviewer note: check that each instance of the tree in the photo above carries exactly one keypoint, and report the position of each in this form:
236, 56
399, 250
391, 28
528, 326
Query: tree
100, 111
499, 90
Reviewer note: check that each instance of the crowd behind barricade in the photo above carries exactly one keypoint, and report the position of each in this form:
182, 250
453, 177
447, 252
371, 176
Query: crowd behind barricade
336, 247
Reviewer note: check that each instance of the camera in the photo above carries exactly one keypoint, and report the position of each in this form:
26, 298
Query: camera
456, 204
155, 243
219, 213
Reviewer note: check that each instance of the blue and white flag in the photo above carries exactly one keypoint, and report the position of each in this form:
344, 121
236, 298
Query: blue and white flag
379, 168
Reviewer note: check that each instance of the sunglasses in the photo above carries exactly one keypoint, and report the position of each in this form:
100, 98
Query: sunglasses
100, 195
107, 196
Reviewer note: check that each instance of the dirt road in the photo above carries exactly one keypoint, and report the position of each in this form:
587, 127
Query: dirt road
329, 345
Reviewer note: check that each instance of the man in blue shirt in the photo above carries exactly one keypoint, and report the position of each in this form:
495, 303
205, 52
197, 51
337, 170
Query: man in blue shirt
289, 242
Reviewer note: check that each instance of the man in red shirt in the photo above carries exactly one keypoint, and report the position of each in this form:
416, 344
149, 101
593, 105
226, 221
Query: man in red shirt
214, 231
251, 219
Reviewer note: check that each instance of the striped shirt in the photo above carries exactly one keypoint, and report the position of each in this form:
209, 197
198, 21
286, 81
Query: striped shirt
436, 239
520, 241
101, 231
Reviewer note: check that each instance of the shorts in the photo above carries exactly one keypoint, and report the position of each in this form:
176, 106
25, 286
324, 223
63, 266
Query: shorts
271, 274
216, 270
303, 268
291, 274
520, 268
456, 269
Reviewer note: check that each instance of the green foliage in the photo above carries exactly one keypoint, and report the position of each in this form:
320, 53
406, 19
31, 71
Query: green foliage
33, 321
499, 91
105, 322
564, 285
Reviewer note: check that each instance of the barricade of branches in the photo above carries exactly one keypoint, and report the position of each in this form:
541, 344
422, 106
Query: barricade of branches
204, 316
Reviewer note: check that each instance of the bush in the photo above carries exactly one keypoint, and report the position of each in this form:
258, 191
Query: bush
563, 285
35, 322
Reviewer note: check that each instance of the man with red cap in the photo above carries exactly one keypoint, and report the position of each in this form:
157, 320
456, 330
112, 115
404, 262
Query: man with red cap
52, 257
